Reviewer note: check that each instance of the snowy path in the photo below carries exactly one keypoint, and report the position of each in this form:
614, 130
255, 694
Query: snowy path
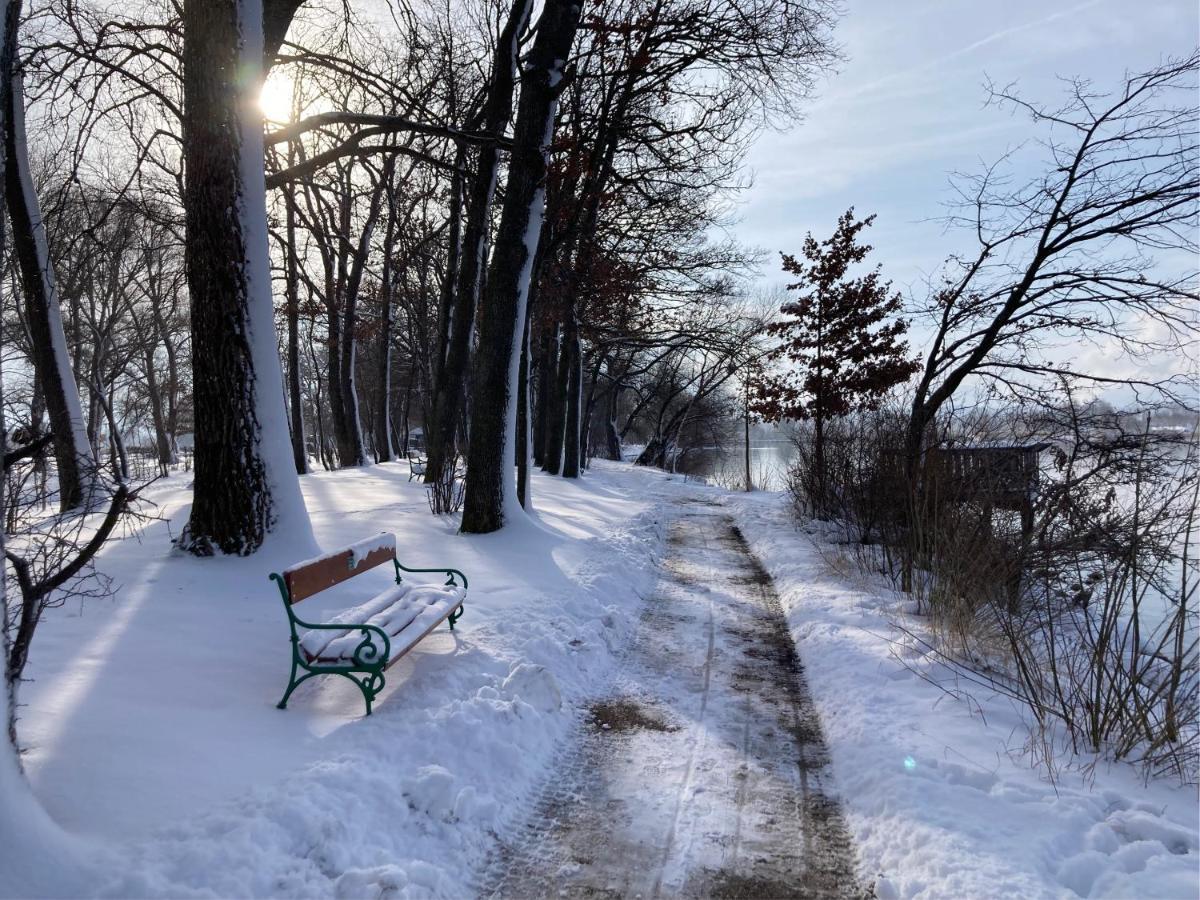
701, 771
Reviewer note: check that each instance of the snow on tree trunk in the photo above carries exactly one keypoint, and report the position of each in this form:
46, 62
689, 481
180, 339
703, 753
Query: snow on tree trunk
490, 496
51, 360
524, 435
246, 485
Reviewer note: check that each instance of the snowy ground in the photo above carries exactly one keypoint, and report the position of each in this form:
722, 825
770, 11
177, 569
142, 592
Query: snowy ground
153, 738
154, 742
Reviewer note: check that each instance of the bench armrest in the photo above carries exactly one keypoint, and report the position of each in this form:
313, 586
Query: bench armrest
375, 648
449, 573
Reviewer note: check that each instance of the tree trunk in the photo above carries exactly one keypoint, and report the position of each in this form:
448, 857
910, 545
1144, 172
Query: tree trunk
448, 390
172, 386
333, 373
612, 438
524, 433
161, 439
347, 447
586, 451
11, 781
556, 413
351, 448
295, 396
571, 434
492, 454
48, 343
384, 449
545, 367
453, 261
245, 479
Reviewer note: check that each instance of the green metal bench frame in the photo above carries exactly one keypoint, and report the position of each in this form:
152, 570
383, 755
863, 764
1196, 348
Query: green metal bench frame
371, 657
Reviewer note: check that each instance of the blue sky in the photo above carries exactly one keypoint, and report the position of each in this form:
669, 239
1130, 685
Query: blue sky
907, 107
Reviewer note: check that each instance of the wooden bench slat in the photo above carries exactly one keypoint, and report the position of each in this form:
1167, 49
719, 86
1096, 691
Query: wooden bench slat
304, 581
399, 651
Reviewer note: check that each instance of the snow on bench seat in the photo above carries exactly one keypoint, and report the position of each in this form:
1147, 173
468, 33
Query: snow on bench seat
405, 613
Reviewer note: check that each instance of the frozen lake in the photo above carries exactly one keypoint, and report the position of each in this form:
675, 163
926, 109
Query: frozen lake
769, 463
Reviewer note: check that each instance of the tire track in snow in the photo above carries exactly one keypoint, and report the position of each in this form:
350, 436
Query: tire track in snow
690, 771
703, 770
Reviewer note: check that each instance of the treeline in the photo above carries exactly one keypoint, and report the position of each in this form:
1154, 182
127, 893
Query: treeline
497, 231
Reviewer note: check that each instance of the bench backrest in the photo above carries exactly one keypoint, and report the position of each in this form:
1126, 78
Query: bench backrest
317, 575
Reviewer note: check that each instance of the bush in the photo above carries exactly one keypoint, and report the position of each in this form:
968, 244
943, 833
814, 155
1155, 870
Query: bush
1079, 605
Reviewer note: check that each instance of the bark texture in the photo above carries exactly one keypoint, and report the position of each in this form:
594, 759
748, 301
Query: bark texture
234, 506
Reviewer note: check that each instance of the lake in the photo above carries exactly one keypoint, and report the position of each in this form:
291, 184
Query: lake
769, 463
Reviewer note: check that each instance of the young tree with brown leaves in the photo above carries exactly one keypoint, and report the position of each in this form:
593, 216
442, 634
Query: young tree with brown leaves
842, 336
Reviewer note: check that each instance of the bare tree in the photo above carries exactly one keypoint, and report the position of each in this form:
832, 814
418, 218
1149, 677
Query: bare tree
1079, 255
491, 458
454, 358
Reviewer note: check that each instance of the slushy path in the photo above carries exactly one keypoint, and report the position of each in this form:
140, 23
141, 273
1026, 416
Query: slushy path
703, 772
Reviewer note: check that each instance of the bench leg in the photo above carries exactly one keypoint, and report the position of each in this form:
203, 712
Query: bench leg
455, 616
293, 683
370, 685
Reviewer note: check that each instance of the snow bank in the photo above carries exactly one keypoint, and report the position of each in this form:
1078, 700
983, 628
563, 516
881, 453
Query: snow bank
938, 794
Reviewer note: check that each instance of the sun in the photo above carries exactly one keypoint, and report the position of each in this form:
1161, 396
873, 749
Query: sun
275, 100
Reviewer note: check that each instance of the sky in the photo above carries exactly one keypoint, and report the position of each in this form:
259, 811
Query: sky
906, 107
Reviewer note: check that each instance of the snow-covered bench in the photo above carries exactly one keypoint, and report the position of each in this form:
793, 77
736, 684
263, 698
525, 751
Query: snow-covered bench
416, 465
361, 642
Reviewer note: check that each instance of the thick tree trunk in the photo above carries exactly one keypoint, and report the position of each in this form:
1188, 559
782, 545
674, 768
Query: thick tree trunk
245, 482
48, 343
452, 374
11, 781
492, 455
